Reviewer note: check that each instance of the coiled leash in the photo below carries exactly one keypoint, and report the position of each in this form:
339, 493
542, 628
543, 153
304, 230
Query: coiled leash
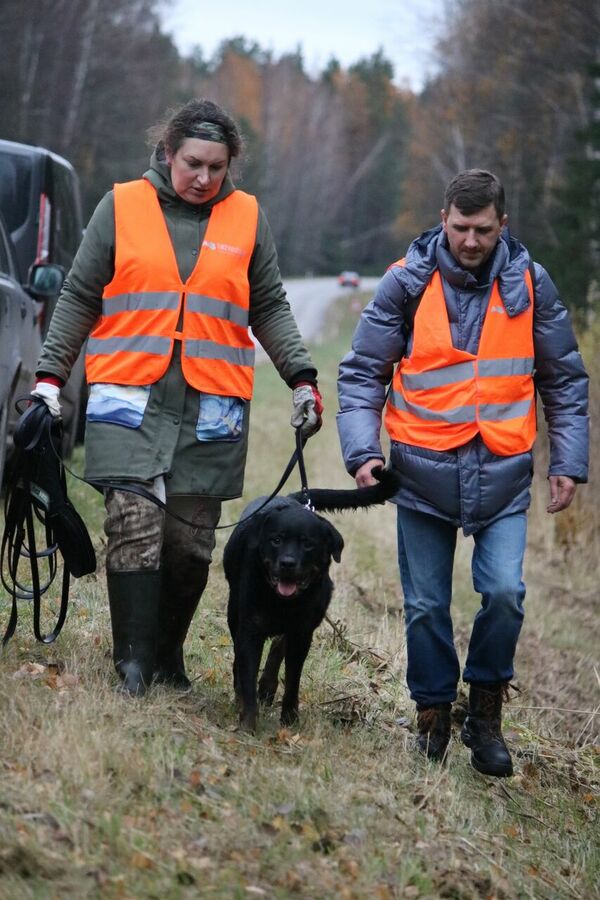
37, 490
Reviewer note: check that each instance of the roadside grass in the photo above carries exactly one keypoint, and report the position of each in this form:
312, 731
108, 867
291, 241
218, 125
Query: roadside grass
105, 797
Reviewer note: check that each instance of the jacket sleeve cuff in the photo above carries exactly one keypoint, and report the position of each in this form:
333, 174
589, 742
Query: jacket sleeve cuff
49, 379
308, 376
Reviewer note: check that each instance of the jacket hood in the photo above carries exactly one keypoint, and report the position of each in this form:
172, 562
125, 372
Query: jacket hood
508, 263
159, 176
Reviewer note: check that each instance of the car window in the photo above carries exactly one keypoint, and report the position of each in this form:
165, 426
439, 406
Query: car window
15, 188
66, 223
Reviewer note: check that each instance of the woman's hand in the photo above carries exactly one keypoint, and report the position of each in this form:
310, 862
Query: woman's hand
307, 408
49, 393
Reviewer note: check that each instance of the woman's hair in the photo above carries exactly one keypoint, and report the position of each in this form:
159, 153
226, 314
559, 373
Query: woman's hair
187, 121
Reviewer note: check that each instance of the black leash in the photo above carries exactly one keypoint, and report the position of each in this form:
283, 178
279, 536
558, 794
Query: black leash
133, 488
38, 491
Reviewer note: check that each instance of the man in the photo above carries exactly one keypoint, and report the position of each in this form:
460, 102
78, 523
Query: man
476, 328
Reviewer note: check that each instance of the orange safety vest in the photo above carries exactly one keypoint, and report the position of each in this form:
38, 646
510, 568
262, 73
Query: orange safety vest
442, 397
134, 339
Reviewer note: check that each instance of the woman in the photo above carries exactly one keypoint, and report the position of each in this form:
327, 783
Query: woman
172, 270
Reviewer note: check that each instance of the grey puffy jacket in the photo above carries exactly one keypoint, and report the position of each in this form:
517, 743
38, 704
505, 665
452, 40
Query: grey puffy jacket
469, 486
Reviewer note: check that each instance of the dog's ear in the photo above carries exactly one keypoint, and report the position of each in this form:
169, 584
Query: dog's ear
255, 531
335, 541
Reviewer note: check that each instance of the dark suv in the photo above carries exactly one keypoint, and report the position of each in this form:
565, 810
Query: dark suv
40, 202
21, 309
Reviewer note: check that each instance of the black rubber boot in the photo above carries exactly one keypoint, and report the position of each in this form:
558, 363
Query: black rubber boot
482, 733
134, 598
433, 724
180, 595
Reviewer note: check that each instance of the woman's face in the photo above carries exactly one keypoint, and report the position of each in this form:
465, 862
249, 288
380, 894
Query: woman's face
198, 169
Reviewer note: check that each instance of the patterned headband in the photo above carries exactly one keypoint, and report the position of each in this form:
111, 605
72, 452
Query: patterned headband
207, 131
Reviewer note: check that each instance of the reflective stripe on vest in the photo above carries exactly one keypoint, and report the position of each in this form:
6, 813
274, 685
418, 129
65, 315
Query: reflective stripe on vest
442, 397
146, 299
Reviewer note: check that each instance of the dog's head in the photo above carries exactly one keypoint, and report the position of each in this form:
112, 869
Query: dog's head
296, 547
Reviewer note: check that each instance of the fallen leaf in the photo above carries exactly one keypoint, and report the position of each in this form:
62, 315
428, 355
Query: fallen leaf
382, 892
30, 670
141, 860
68, 680
309, 831
293, 881
57, 667
349, 867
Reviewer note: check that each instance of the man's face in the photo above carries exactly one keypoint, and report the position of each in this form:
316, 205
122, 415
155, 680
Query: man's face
472, 238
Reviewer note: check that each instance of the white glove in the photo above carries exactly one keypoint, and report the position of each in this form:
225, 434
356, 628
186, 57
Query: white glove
49, 393
307, 409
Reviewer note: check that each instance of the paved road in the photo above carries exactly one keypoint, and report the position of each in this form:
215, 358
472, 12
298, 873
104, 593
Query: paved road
310, 299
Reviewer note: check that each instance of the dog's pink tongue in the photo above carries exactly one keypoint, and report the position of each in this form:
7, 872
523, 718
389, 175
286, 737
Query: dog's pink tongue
286, 588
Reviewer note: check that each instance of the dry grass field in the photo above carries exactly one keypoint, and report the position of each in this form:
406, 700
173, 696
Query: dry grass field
105, 797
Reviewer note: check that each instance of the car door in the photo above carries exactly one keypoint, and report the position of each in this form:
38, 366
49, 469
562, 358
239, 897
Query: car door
20, 342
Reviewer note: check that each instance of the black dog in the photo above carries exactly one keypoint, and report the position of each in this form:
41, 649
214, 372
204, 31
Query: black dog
277, 565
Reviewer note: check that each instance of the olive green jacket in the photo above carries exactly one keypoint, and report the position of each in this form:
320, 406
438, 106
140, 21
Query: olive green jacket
166, 441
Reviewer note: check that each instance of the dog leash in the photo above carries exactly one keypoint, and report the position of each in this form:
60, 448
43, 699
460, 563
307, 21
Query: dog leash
37, 490
132, 488
302, 470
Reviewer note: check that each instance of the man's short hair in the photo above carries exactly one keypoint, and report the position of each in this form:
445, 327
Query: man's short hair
474, 189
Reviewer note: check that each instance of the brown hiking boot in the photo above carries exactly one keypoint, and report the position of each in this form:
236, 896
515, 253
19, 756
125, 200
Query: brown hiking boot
482, 733
433, 724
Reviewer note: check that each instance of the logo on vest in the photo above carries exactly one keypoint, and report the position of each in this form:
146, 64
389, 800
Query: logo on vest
223, 248
497, 309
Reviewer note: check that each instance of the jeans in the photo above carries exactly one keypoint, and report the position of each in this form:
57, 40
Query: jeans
426, 546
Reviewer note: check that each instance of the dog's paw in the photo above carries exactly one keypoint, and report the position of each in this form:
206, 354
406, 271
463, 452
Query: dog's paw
266, 692
289, 715
248, 722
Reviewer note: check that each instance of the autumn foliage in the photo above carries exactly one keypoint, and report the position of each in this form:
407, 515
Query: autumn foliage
348, 165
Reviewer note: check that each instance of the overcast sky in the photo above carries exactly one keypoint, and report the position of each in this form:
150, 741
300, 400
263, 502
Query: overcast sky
346, 29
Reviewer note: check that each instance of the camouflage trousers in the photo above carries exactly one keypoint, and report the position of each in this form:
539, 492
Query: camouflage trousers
142, 536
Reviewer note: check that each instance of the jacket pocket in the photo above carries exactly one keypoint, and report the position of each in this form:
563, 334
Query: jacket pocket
118, 404
220, 418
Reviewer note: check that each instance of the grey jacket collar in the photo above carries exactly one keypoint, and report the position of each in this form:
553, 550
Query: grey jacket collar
508, 264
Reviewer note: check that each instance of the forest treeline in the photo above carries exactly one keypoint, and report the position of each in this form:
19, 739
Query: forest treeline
348, 165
